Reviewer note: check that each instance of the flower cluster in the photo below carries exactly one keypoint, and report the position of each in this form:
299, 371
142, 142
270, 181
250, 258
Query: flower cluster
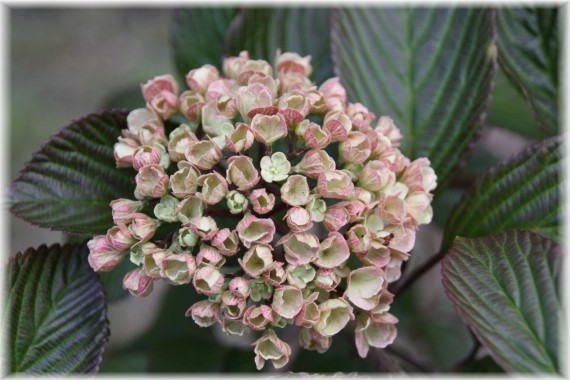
276, 199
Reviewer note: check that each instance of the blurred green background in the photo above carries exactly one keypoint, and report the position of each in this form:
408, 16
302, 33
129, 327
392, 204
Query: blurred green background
66, 63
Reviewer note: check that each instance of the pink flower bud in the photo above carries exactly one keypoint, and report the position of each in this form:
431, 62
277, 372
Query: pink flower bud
214, 188
199, 79
102, 256
316, 137
254, 99
120, 238
261, 201
309, 315
151, 133
359, 239
233, 65
333, 251
269, 347
314, 163
214, 122
356, 148
334, 93
287, 301
208, 280
393, 209
242, 173
233, 307
152, 181
335, 314
160, 95
419, 176
204, 226
274, 274
317, 101
294, 82
184, 182
404, 235
338, 124
369, 333
300, 248
142, 227
293, 107
298, 219
124, 151
268, 129
189, 209
311, 340
179, 139
178, 268
257, 317
239, 287
360, 116
152, 260
209, 256
203, 154
146, 155
137, 119
386, 127
335, 184
364, 286
123, 208
418, 207
190, 105
137, 283
253, 67
295, 191
226, 242
267, 81
240, 139
204, 313
375, 176
293, 62
256, 260
378, 255
335, 218
327, 279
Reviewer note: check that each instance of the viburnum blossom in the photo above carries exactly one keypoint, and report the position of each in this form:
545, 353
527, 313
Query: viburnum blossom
277, 200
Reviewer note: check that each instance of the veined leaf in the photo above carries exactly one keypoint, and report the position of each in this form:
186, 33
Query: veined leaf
529, 53
430, 69
505, 287
301, 30
55, 315
198, 37
71, 180
521, 192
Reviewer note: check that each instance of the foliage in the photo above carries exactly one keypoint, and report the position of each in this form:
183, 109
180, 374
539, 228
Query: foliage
437, 72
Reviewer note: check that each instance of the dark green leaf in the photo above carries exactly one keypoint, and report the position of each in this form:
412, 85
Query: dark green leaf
301, 30
113, 281
521, 192
71, 180
529, 53
55, 312
198, 37
483, 365
509, 110
505, 287
430, 69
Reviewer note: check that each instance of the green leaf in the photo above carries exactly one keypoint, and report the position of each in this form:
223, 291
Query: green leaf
529, 53
430, 69
261, 31
505, 287
55, 314
520, 192
509, 110
71, 180
198, 37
